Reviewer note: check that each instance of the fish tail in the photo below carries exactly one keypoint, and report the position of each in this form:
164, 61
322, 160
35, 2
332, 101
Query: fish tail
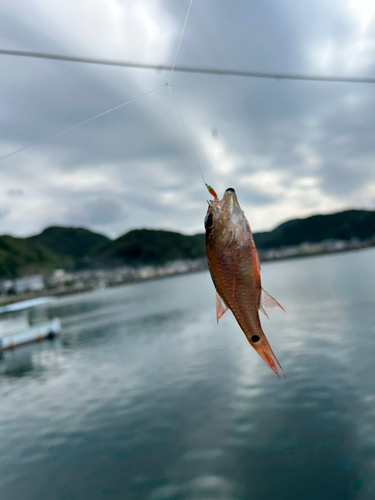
266, 353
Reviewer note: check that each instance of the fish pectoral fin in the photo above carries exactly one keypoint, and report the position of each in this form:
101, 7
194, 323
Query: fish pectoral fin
266, 300
221, 307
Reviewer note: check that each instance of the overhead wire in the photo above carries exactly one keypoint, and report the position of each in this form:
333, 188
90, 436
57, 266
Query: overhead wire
191, 69
116, 107
172, 68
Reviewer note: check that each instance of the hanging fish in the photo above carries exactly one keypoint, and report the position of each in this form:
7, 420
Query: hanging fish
235, 270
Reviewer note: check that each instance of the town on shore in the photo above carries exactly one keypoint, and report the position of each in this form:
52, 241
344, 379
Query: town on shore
62, 282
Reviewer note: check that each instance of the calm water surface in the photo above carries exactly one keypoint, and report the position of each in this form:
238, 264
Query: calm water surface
145, 397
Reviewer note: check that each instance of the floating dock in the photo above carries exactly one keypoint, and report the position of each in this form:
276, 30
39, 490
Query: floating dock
25, 322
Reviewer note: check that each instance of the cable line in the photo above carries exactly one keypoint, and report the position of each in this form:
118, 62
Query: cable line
189, 69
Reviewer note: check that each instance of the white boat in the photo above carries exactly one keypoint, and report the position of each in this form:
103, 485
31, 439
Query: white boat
25, 322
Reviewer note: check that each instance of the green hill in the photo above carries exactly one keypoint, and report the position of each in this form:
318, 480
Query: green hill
19, 256
149, 246
340, 226
53, 248
73, 241
76, 247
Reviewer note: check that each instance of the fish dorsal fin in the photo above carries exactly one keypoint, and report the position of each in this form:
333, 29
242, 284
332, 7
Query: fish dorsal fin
255, 257
256, 260
221, 307
266, 300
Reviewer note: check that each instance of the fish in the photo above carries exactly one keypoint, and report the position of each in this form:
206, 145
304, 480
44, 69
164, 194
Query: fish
234, 266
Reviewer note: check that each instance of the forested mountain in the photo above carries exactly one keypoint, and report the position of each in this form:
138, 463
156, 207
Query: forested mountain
340, 226
73, 241
149, 246
19, 256
72, 248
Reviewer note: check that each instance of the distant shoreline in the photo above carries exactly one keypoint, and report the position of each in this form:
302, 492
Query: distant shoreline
12, 299
62, 257
5, 300
315, 254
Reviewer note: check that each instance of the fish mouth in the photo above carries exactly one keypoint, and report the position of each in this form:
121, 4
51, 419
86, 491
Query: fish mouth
230, 201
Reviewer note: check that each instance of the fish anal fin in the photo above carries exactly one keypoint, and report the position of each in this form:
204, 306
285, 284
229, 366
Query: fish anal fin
221, 307
261, 308
266, 300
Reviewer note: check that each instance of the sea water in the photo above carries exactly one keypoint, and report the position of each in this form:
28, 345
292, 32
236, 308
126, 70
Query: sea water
144, 396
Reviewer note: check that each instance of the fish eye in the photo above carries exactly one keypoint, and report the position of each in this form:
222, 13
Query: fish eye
255, 338
209, 223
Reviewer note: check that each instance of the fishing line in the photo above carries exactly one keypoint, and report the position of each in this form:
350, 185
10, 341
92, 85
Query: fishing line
210, 189
79, 124
116, 107
179, 43
168, 85
186, 131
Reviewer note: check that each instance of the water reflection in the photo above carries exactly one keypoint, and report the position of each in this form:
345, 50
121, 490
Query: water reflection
17, 364
302, 431
29, 360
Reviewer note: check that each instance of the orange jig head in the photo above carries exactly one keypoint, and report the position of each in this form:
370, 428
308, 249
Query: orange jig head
212, 192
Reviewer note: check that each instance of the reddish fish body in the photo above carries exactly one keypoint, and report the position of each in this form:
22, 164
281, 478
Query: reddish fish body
235, 270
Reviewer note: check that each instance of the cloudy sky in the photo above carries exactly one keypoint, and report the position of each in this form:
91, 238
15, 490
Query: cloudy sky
289, 148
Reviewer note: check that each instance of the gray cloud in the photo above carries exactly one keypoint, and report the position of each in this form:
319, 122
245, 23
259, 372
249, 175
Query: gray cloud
4, 211
289, 149
15, 192
100, 212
